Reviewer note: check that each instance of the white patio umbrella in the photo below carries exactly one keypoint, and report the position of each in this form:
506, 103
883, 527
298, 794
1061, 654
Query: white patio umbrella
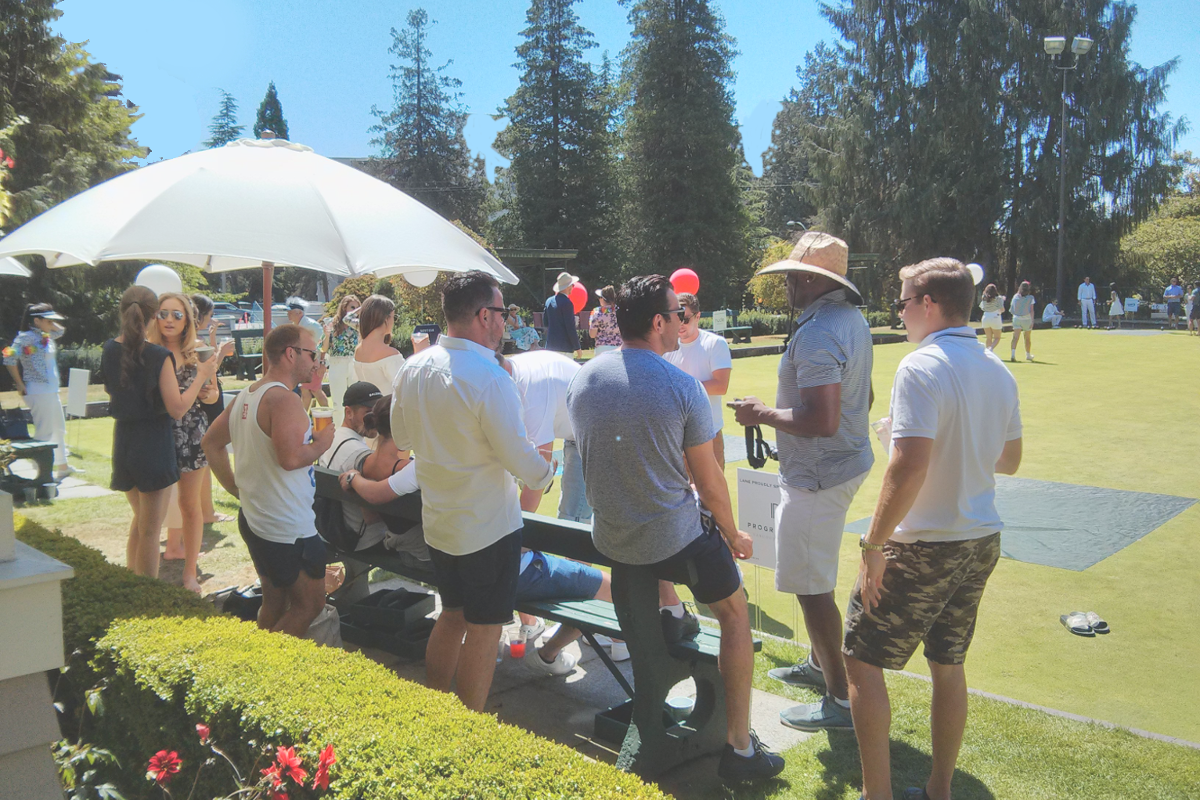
253, 203
10, 266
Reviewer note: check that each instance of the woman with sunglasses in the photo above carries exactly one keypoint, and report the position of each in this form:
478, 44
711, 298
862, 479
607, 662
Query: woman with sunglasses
375, 360
175, 329
144, 397
341, 340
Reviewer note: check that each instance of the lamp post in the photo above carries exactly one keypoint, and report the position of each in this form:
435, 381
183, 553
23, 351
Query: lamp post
1055, 46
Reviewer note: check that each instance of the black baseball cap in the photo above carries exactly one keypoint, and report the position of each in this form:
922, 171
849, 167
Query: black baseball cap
296, 304
362, 393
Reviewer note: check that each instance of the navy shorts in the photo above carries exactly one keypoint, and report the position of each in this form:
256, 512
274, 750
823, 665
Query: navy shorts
280, 564
552, 578
705, 566
484, 583
1174, 309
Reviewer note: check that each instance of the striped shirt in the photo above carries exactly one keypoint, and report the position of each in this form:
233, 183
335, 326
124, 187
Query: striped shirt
832, 344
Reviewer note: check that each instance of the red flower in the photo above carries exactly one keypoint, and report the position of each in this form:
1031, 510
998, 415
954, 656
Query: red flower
163, 766
289, 763
326, 760
202, 732
279, 794
272, 772
8, 162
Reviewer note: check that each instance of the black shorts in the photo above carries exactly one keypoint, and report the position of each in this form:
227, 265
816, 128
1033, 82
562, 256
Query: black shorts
280, 564
1174, 309
484, 583
705, 566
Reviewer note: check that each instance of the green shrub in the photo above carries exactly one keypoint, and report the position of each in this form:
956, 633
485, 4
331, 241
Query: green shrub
393, 738
763, 323
87, 357
879, 319
167, 660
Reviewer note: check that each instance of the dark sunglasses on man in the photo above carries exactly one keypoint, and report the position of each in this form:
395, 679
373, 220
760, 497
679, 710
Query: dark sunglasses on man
503, 312
679, 312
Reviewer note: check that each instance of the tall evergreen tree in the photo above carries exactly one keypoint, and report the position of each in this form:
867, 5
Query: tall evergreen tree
560, 143
423, 150
270, 115
682, 148
936, 128
72, 131
224, 128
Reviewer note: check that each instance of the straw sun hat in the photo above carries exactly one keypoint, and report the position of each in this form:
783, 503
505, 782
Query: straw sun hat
820, 254
564, 281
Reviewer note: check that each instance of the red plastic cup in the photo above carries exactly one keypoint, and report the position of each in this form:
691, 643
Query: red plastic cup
516, 647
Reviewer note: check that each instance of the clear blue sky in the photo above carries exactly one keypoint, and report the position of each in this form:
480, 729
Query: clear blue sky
329, 60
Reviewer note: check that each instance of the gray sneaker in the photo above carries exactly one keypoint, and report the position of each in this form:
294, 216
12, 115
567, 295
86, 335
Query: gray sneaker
677, 629
802, 674
825, 715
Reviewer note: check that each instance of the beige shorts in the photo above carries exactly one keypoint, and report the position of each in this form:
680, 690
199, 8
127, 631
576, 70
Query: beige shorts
1023, 323
809, 525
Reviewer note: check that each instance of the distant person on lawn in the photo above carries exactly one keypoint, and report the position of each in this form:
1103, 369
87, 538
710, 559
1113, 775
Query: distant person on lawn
935, 535
274, 448
1173, 297
562, 332
1087, 303
461, 416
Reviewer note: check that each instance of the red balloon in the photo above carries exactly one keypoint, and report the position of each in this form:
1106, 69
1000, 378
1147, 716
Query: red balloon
684, 280
578, 296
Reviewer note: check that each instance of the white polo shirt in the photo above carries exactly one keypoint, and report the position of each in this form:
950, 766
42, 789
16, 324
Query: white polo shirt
700, 358
954, 390
460, 414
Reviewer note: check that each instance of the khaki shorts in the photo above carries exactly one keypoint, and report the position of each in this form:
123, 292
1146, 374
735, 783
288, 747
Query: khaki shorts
1023, 323
931, 594
809, 524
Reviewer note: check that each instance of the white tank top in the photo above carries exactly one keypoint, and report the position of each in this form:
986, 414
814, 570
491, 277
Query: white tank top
278, 503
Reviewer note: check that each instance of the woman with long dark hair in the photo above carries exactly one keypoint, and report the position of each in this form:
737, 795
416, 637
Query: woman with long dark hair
32, 360
992, 306
1116, 309
144, 397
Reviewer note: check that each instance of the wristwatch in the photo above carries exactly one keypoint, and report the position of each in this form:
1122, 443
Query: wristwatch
863, 544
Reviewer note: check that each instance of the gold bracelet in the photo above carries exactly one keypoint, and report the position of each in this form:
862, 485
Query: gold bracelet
863, 544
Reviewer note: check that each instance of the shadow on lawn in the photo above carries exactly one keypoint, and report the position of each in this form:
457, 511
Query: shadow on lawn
910, 767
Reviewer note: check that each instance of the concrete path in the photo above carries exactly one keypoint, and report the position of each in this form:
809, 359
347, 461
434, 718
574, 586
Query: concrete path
564, 709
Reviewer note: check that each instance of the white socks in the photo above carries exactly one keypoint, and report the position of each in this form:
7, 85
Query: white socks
677, 612
749, 751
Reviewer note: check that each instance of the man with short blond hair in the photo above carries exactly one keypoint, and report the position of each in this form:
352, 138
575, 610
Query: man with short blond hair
935, 536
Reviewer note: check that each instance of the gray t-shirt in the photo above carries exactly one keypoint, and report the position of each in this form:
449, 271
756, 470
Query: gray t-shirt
633, 416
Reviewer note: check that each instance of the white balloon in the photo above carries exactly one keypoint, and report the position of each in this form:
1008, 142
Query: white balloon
976, 273
421, 277
159, 279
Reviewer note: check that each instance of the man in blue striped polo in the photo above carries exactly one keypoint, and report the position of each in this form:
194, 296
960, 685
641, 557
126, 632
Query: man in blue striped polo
823, 399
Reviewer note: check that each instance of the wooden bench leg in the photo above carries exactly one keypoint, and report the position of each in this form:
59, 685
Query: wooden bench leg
653, 743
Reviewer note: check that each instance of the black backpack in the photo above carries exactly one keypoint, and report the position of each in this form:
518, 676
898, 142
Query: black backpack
331, 524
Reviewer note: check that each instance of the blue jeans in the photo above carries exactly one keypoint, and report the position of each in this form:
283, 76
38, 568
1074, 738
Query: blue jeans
549, 577
573, 504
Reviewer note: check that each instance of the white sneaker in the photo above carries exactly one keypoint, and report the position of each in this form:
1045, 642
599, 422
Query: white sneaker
1029, 356
530, 633
619, 651
562, 664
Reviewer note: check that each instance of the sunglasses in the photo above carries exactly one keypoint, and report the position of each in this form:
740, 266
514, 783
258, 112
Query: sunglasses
164, 313
689, 320
679, 312
902, 302
503, 312
312, 353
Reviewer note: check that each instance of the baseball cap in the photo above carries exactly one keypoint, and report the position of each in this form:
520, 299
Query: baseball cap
361, 393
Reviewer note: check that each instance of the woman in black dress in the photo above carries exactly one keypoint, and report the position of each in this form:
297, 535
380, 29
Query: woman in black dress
144, 396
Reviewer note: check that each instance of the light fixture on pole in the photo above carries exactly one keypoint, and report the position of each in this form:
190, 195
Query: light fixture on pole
1056, 46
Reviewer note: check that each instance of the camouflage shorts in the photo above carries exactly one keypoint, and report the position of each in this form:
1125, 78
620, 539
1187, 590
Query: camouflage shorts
931, 593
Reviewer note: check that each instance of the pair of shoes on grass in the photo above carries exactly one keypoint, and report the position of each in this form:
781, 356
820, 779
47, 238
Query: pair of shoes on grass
1084, 623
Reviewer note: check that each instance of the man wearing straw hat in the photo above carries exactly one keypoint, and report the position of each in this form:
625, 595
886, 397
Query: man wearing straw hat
825, 454
562, 333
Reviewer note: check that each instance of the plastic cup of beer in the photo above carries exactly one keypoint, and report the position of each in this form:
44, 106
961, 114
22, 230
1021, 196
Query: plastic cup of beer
322, 417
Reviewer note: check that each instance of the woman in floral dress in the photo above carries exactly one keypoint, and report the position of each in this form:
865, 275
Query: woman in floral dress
341, 339
602, 326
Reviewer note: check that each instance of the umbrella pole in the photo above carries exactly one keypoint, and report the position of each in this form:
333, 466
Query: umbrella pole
268, 275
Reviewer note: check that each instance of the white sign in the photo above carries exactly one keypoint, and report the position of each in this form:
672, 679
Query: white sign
758, 497
77, 386
1131, 305
720, 320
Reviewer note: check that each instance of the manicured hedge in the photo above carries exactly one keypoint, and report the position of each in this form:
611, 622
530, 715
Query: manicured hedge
166, 661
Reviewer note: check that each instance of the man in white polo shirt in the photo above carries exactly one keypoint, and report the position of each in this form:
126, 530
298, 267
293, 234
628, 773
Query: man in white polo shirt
935, 536
461, 415
1087, 303
705, 356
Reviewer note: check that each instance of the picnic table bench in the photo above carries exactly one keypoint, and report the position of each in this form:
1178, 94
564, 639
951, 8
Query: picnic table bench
41, 486
247, 351
651, 741
739, 333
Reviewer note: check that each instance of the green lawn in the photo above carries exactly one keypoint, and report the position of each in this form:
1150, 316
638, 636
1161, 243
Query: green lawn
1099, 409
